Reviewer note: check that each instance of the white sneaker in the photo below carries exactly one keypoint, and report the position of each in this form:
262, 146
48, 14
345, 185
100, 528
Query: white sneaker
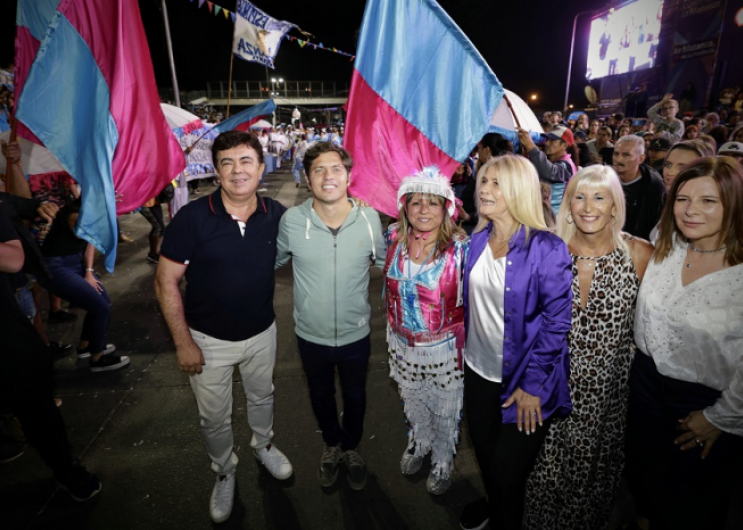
220, 504
275, 462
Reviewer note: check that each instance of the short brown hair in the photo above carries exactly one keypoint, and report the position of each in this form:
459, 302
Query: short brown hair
728, 175
326, 147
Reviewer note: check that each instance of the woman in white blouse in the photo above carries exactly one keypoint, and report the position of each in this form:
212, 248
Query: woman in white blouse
685, 423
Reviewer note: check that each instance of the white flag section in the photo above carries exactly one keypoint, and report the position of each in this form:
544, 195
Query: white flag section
257, 36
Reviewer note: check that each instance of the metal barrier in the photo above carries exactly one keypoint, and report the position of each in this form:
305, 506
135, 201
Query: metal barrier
284, 90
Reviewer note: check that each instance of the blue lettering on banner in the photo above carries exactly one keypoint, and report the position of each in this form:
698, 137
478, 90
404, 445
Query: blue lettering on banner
252, 14
253, 52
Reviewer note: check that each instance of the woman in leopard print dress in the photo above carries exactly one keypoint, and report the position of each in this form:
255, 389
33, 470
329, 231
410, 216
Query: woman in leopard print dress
577, 473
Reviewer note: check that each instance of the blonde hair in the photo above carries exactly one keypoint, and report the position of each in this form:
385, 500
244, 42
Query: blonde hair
593, 178
519, 182
447, 230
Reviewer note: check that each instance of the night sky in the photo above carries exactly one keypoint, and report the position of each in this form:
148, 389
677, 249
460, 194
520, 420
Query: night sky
526, 43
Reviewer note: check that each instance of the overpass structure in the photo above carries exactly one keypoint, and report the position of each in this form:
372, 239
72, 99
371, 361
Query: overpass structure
288, 93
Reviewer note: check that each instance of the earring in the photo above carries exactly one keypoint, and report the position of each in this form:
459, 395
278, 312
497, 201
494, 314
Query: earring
569, 218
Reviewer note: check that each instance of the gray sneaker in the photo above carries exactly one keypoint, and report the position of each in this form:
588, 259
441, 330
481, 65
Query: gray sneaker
436, 484
355, 469
410, 463
328, 473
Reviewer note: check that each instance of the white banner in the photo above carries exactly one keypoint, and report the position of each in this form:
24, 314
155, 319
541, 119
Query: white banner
257, 36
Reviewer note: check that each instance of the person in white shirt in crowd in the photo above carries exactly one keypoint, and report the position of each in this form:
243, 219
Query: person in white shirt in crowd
263, 139
685, 420
274, 141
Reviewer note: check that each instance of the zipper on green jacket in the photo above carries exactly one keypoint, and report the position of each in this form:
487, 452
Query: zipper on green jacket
335, 285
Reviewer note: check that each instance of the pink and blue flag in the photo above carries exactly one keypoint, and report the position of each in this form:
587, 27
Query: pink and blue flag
421, 95
243, 120
90, 97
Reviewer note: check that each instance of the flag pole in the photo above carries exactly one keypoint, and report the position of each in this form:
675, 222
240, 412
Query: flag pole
176, 92
513, 113
229, 88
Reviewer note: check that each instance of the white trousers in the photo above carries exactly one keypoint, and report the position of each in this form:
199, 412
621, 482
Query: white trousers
255, 358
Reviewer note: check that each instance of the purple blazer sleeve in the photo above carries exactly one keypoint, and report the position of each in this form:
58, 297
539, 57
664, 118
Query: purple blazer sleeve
547, 362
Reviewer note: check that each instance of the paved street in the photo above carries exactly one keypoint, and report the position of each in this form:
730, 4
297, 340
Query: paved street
137, 429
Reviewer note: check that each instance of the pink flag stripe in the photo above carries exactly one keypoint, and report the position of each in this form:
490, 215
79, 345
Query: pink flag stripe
245, 127
26, 47
377, 125
147, 155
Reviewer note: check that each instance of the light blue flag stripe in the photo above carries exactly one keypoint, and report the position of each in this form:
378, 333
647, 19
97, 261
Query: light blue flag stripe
430, 72
262, 109
71, 116
36, 16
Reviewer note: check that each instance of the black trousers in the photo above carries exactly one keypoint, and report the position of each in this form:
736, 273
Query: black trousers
320, 363
505, 455
26, 388
676, 489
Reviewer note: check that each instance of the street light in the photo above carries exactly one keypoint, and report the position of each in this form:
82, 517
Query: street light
572, 48
274, 82
533, 97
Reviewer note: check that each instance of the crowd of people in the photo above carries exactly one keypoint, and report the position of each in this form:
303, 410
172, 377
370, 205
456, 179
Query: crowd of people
578, 307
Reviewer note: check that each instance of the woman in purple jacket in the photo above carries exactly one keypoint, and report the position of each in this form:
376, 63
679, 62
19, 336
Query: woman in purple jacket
517, 299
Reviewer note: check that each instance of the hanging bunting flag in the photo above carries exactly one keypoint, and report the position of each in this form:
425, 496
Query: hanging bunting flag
405, 117
230, 14
257, 36
211, 5
90, 96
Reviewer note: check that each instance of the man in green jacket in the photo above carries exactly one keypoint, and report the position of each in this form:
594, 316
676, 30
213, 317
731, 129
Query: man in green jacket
333, 242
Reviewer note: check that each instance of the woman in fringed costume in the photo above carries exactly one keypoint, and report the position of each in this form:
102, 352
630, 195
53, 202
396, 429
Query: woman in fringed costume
425, 321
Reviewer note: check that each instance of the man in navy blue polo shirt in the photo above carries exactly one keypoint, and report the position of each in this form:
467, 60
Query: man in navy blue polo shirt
225, 246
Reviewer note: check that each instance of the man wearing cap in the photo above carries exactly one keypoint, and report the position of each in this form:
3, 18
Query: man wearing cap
332, 242
734, 149
554, 165
657, 151
663, 115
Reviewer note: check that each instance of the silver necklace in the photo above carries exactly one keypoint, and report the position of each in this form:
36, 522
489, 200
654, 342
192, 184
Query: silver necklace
688, 263
706, 251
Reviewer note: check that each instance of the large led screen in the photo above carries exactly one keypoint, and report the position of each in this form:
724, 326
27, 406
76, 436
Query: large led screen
624, 39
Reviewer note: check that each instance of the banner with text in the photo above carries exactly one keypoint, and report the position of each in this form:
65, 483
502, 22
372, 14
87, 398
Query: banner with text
695, 42
257, 36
